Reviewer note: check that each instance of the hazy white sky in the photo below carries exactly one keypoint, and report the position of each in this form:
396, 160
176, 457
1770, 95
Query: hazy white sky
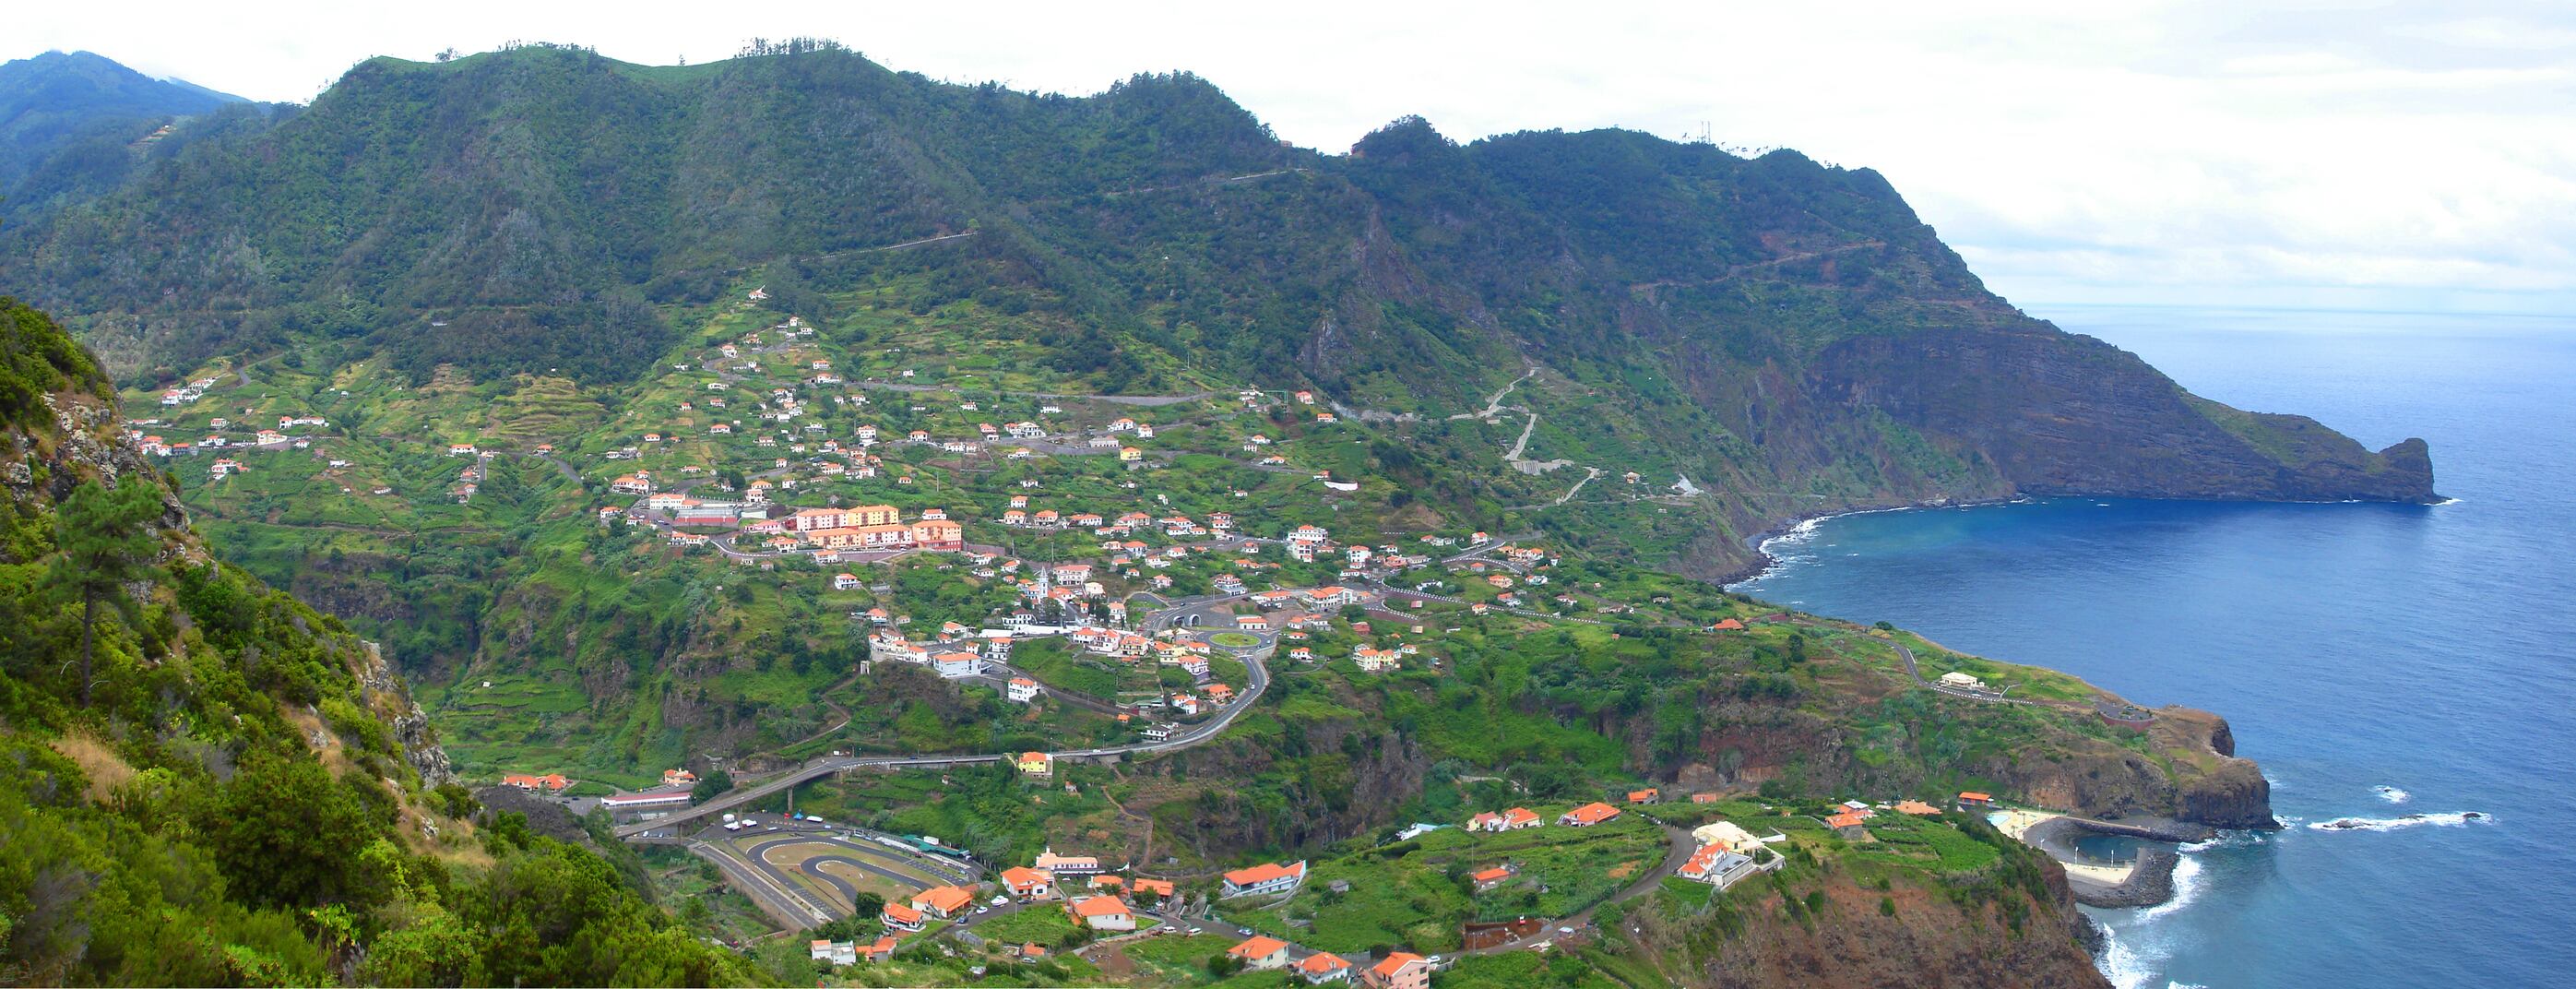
2400, 155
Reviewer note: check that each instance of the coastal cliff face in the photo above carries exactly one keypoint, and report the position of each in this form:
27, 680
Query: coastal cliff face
2067, 414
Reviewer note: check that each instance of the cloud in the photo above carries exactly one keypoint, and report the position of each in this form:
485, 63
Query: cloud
2147, 151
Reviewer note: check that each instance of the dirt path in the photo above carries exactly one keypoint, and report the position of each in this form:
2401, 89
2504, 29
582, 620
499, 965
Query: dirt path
1592, 472
1494, 406
1648, 287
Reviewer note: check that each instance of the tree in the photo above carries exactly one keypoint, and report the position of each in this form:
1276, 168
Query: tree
710, 786
105, 544
286, 834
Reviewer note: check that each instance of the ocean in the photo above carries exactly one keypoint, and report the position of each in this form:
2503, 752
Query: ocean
2379, 661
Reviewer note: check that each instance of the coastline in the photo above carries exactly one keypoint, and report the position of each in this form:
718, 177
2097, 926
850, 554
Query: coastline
1759, 542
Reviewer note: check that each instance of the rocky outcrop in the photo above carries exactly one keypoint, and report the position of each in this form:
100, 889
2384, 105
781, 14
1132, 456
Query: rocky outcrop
2235, 795
412, 730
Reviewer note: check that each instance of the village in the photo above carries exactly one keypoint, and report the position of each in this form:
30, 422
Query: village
1142, 569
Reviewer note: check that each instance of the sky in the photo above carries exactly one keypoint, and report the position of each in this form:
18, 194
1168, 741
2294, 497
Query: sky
2407, 156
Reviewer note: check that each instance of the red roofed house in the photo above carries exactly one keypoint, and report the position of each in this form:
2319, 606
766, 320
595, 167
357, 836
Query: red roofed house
1490, 878
1322, 967
1263, 879
1510, 820
902, 918
1261, 954
1971, 798
1102, 913
1158, 887
1588, 815
1848, 825
942, 901
1646, 796
1027, 883
1399, 970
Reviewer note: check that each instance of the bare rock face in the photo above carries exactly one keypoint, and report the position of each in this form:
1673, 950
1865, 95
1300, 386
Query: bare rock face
2234, 796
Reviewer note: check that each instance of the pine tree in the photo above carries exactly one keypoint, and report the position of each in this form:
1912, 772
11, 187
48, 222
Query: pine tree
105, 544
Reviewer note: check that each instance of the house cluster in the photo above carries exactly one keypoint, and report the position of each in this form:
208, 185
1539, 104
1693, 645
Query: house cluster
155, 445
1850, 819
187, 393
548, 783
1175, 526
955, 656
1516, 818
1398, 970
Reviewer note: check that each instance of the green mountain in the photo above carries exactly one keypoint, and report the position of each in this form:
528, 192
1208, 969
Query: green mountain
66, 115
1788, 336
205, 782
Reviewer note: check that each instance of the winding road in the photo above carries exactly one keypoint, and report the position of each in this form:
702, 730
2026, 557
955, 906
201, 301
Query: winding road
1193, 735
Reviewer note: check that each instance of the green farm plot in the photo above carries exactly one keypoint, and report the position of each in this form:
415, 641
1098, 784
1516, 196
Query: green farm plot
1416, 892
1039, 923
1180, 957
1051, 661
1920, 844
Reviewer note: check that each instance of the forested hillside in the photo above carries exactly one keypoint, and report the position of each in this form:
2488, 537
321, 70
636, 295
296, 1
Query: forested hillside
205, 782
81, 117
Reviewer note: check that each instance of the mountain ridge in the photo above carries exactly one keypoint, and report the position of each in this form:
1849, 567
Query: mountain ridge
1793, 300
82, 105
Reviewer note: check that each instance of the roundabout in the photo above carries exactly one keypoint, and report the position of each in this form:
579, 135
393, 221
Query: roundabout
1234, 640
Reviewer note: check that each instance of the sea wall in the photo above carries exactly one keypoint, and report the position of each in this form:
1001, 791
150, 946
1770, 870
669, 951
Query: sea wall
2150, 879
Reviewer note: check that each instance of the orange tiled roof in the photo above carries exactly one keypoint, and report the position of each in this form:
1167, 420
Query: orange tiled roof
1321, 963
945, 899
1394, 962
1593, 813
1100, 906
1262, 873
1258, 946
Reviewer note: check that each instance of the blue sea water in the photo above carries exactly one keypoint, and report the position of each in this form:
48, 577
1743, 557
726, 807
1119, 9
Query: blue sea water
2378, 660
